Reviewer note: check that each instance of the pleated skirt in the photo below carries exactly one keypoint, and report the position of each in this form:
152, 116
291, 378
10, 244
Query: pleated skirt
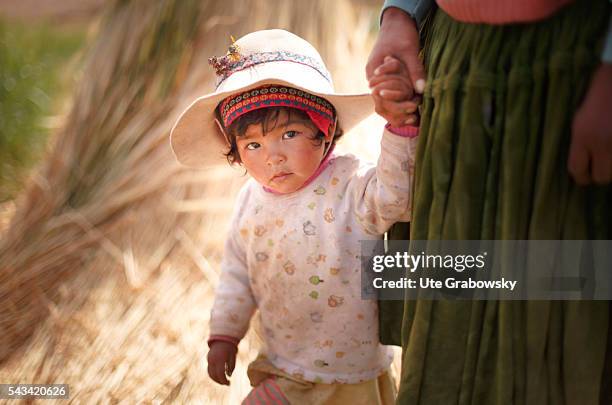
492, 164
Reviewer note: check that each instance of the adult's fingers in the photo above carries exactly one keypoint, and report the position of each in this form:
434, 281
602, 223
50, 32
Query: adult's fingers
415, 71
578, 163
376, 57
398, 34
591, 148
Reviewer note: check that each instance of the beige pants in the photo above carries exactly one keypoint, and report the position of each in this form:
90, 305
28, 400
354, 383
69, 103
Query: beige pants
268, 382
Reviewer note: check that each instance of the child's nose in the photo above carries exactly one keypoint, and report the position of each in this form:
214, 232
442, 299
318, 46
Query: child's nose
276, 157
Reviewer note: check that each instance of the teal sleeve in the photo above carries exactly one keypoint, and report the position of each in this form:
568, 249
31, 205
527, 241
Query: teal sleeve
606, 56
417, 9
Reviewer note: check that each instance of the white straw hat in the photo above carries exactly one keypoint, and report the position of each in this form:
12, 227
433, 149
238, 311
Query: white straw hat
257, 59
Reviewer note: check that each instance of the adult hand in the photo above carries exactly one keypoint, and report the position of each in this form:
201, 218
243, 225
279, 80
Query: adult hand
221, 361
398, 37
590, 155
391, 91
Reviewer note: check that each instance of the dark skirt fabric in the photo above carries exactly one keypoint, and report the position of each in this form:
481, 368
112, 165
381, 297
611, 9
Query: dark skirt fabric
492, 164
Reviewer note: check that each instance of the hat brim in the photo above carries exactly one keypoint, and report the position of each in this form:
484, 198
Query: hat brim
198, 143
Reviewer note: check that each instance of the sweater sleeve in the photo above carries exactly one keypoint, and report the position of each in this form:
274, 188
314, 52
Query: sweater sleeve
382, 194
606, 56
417, 9
234, 303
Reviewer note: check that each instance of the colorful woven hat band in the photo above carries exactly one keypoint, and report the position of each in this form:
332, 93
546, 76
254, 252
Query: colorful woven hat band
320, 111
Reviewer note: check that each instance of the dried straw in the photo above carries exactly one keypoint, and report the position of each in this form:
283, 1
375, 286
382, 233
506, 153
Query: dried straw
99, 168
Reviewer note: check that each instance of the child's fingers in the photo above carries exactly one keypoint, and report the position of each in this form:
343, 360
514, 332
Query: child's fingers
213, 372
376, 80
231, 363
216, 371
220, 373
394, 90
398, 96
397, 108
390, 65
396, 118
412, 119
392, 95
216, 367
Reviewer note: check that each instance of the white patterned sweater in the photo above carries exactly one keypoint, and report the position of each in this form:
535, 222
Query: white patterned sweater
296, 258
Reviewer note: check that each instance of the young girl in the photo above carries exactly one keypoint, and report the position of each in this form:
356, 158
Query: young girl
293, 249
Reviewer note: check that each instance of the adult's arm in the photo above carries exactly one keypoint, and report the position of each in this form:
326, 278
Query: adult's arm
399, 37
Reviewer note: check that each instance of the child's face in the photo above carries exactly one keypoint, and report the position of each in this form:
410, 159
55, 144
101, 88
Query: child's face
283, 158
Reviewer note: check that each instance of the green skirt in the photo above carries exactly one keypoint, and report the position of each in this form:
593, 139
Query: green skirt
492, 164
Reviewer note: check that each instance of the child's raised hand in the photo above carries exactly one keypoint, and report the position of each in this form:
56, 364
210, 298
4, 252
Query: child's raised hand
393, 94
221, 361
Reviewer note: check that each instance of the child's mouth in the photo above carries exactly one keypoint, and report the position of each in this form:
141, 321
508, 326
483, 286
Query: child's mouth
280, 176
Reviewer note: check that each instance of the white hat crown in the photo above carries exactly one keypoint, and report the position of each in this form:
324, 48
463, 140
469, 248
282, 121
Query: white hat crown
270, 54
260, 58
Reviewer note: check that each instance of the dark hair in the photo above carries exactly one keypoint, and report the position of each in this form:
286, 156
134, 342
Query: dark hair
268, 119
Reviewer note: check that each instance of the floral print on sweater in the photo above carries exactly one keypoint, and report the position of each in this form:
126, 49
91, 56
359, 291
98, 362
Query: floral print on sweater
296, 258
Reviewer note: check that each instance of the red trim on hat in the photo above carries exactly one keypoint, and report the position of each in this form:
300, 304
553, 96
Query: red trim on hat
320, 121
320, 111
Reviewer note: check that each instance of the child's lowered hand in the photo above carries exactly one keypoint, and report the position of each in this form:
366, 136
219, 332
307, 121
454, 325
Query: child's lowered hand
221, 361
393, 94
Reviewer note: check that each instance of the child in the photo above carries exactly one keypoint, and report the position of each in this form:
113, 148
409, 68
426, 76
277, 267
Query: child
293, 250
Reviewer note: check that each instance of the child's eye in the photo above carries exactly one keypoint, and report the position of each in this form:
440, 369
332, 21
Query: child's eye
290, 134
252, 146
